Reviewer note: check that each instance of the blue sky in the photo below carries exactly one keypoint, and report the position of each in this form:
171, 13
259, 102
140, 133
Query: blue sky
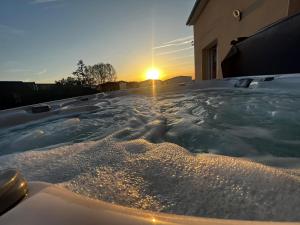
42, 40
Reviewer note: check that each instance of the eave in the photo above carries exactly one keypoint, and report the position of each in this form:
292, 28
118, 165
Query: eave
196, 12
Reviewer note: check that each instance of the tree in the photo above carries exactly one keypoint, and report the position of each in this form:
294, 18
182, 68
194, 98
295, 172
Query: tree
71, 81
102, 73
111, 73
81, 74
90, 75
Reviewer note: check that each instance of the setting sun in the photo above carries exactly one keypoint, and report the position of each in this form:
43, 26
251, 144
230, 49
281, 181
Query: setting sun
153, 74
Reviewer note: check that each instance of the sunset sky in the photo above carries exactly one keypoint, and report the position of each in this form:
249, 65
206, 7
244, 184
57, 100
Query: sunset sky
42, 40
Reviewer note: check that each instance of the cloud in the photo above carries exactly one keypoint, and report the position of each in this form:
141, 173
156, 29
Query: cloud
5, 29
10, 63
17, 70
44, 71
174, 44
27, 71
186, 43
42, 1
180, 39
175, 51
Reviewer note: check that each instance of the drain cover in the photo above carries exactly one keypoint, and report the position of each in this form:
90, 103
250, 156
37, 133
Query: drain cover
13, 188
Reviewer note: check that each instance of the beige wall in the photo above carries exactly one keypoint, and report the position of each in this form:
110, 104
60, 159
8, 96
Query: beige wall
294, 7
216, 22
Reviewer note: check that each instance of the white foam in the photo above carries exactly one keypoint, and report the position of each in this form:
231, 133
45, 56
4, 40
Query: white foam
166, 177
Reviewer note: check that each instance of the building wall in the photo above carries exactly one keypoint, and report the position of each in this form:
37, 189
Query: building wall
217, 24
294, 7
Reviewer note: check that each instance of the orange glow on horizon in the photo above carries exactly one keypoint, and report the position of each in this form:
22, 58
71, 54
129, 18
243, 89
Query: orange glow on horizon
142, 66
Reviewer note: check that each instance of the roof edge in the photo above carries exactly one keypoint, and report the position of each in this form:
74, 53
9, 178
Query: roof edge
196, 11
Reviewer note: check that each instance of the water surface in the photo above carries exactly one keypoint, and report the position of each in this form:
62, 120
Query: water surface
225, 153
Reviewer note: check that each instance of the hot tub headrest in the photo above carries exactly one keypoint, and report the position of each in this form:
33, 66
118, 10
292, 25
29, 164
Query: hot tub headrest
40, 108
13, 188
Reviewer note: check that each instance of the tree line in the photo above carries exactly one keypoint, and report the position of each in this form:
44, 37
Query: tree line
99, 73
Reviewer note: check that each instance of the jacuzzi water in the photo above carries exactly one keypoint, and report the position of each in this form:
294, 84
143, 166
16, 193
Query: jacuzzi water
208, 150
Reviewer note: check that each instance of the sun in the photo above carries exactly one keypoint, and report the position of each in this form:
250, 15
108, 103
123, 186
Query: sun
152, 74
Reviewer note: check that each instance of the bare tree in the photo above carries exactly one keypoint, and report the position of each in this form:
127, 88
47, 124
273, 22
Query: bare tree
103, 73
111, 73
99, 73
81, 74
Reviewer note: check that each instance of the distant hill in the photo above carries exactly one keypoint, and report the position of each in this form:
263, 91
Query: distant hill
179, 79
150, 83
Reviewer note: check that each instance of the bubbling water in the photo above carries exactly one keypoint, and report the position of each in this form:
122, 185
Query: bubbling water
165, 177
219, 153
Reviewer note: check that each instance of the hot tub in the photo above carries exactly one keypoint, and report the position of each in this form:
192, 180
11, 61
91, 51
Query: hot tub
225, 149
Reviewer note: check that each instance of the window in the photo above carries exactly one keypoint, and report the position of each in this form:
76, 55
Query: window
210, 61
